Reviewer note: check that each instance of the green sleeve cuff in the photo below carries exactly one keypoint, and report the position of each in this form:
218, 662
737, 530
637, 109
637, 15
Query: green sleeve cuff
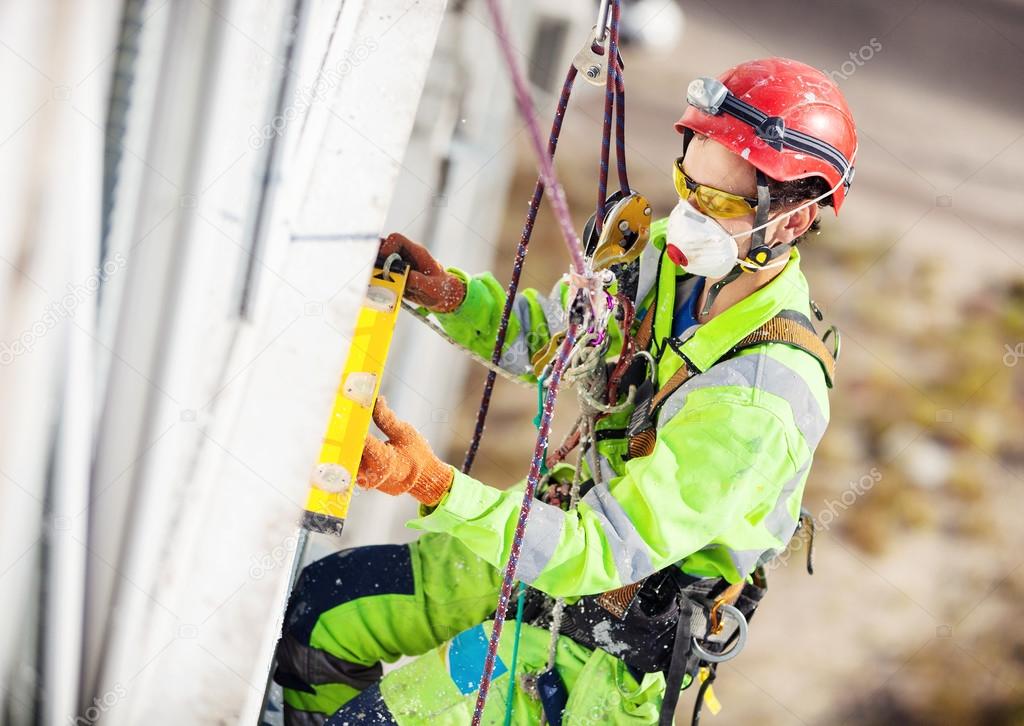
475, 322
471, 301
465, 499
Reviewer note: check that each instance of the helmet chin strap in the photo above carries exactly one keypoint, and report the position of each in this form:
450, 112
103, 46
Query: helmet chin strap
760, 254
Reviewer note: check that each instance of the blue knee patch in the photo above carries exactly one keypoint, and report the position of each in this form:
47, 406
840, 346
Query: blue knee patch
466, 655
345, 576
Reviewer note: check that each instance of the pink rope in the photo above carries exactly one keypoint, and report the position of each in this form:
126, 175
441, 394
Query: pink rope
544, 162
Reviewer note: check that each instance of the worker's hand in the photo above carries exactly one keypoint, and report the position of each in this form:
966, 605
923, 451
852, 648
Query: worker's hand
404, 463
428, 284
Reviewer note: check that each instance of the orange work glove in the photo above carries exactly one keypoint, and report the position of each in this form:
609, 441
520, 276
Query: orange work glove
405, 463
428, 284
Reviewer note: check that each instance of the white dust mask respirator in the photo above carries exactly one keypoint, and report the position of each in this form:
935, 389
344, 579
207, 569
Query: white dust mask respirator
700, 245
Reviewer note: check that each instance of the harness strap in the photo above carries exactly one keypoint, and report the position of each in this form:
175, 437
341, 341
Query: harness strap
793, 328
643, 334
617, 601
678, 666
677, 379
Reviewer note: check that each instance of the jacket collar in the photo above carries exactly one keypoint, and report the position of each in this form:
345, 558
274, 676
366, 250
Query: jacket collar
787, 291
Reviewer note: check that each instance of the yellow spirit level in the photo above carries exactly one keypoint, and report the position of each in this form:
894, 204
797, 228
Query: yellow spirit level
336, 470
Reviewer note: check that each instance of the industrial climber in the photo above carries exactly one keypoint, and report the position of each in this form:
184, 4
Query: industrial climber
689, 489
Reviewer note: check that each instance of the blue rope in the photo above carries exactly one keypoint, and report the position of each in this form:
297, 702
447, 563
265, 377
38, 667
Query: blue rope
515, 654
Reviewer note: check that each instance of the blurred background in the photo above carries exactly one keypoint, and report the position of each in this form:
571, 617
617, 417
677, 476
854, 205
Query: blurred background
191, 196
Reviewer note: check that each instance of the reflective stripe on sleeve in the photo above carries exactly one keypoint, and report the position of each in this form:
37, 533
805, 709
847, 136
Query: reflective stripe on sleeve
543, 533
628, 548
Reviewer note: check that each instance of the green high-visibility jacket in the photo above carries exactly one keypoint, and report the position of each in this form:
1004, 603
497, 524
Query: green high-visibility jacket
721, 490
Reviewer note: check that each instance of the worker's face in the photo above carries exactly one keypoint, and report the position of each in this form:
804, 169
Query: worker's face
708, 162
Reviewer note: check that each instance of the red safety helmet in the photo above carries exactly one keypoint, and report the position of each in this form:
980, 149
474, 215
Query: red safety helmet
786, 118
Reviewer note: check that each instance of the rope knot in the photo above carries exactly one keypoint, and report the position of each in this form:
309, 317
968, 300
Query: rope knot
593, 285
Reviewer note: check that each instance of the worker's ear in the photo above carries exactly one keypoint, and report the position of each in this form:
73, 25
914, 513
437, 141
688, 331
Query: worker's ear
795, 224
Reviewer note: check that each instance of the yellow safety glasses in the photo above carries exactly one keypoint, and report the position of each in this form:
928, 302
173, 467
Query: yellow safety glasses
711, 201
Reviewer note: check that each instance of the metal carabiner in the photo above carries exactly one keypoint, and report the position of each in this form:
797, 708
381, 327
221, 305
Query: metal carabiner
741, 638
591, 64
602, 20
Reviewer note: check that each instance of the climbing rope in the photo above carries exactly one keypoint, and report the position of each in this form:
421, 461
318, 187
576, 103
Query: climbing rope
517, 271
586, 429
583, 284
591, 387
543, 432
520, 605
613, 86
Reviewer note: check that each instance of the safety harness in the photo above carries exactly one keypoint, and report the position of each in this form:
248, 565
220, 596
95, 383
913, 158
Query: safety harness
671, 622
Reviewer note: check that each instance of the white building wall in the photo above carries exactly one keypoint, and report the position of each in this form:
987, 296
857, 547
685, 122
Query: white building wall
236, 363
